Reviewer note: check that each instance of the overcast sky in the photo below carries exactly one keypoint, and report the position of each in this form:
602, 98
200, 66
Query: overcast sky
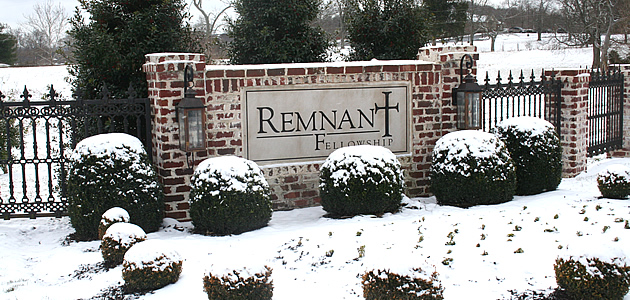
14, 12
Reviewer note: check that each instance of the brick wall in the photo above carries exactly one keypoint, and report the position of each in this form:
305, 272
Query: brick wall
293, 185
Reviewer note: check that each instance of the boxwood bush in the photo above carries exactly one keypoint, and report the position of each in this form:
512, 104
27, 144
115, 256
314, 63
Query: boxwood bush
471, 168
239, 284
111, 216
118, 238
229, 195
536, 151
614, 182
150, 265
112, 170
383, 284
592, 278
361, 180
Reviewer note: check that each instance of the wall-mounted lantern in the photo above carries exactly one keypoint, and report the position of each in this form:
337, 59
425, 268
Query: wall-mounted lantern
191, 117
467, 97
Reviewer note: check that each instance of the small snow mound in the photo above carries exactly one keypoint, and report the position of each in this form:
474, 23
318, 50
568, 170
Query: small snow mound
232, 169
115, 215
152, 254
125, 233
536, 126
468, 142
616, 171
107, 144
357, 161
236, 275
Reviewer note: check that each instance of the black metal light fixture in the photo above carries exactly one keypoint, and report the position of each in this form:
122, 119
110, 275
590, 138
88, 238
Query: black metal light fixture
191, 117
467, 97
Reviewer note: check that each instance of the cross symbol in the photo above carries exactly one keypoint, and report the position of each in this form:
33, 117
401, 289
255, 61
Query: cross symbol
386, 108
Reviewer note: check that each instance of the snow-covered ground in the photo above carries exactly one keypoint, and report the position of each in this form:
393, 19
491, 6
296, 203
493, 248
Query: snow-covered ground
491, 249
483, 258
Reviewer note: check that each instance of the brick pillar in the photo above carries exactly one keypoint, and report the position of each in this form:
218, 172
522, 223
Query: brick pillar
574, 125
438, 115
625, 151
165, 77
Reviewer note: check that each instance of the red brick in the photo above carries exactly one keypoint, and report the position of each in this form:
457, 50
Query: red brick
334, 70
215, 74
292, 195
354, 69
275, 72
296, 71
235, 73
255, 73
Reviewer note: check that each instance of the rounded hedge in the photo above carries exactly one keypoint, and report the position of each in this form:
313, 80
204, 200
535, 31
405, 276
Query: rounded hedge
471, 168
118, 238
229, 195
592, 278
239, 284
150, 265
412, 284
112, 216
614, 182
536, 151
361, 180
112, 170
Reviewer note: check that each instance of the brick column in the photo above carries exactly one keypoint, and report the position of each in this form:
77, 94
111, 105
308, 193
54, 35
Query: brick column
625, 151
438, 115
574, 115
165, 76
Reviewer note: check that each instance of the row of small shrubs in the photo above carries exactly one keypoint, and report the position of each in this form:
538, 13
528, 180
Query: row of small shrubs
147, 264
523, 156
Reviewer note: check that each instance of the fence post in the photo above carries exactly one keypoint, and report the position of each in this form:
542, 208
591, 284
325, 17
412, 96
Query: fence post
165, 77
625, 151
574, 115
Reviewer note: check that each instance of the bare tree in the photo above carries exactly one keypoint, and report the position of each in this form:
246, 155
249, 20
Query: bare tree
590, 20
473, 17
210, 21
46, 30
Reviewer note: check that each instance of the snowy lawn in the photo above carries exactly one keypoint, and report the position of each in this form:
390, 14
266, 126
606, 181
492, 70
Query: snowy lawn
484, 251
480, 253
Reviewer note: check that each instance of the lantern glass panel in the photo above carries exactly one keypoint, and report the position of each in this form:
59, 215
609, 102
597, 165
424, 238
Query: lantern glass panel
461, 110
195, 129
181, 120
475, 110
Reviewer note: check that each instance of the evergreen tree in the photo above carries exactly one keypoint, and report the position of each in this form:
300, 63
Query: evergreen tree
109, 49
276, 31
8, 43
386, 29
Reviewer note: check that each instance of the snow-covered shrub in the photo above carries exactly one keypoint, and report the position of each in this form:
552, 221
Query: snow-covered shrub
614, 182
118, 238
150, 265
112, 170
229, 195
472, 168
239, 284
361, 180
536, 151
592, 278
111, 216
384, 284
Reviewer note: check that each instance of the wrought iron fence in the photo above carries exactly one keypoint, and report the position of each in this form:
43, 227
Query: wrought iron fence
605, 111
34, 160
534, 98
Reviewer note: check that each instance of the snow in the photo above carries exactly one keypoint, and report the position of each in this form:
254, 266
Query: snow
156, 255
125, 234
114, 215
119, 146
456, 146
356, 161
615, 172
230, 169
570, 221
535, 126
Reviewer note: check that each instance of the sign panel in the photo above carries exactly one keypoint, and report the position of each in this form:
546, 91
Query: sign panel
302, 123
